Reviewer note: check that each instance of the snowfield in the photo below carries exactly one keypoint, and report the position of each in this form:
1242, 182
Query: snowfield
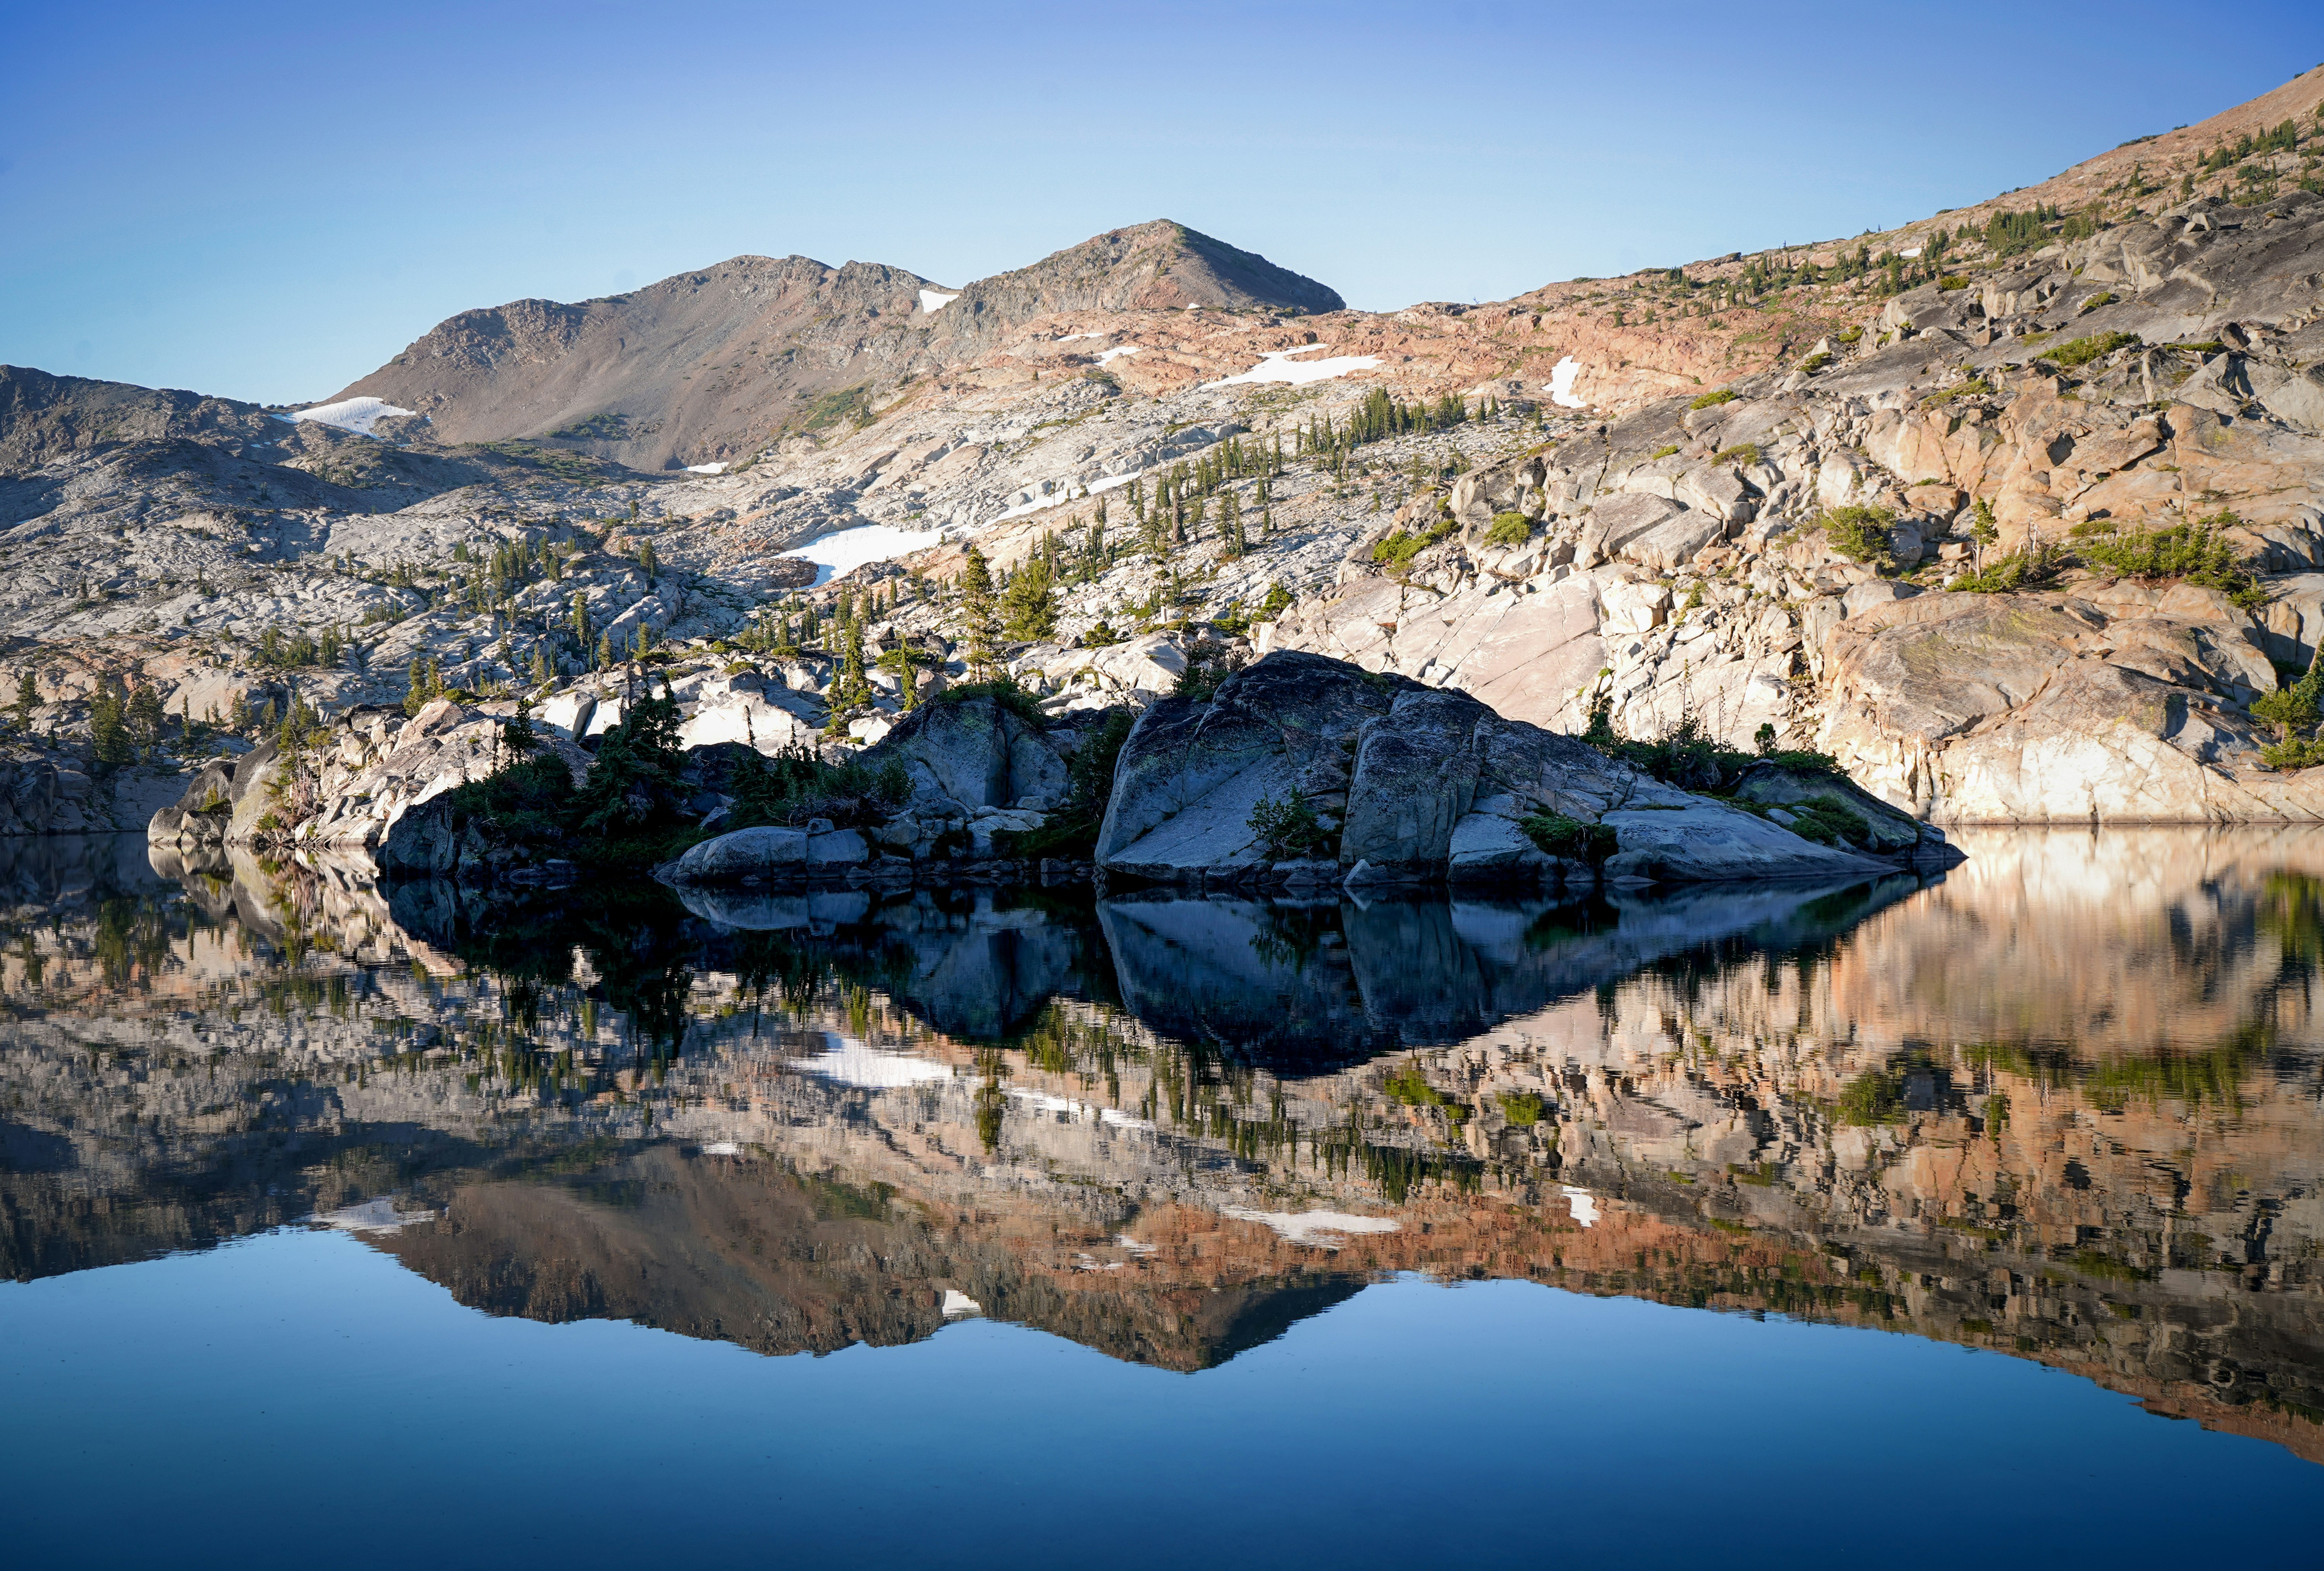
1116, 352
846, 549
349, 414
851, 1063
933, 301
717, 468
1316, 1229
1560, 382
1276, 365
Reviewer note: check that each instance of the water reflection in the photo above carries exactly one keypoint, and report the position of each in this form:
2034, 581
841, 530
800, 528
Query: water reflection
2063, 1104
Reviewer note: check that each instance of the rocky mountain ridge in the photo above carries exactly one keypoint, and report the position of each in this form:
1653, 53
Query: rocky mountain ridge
1765, 491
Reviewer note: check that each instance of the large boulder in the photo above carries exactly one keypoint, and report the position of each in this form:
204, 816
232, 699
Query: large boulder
974, 752
1420, 785
742, 854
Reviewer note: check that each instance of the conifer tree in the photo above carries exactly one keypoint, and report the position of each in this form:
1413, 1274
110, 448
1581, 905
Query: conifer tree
980, 622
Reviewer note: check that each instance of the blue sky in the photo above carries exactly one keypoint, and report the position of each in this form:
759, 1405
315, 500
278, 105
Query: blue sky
267, 200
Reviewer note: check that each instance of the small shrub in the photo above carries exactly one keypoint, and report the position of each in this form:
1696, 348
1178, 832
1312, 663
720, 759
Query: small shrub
1510, 529
1852, 336
1815, 362
1559, 836
1396, 552
2079, 352
1951, 282
2008, 574
1827, 823
1288, 829
1003, 691
1522, 1109
1975, 387
1659, 454
1742, 454
1723, 395
1860, 533
2193, 553
2103, 298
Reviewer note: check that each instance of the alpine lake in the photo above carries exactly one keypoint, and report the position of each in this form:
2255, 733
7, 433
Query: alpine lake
1902, 1222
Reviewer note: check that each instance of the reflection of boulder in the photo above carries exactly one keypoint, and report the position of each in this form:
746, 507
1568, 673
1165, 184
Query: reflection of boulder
1300, 986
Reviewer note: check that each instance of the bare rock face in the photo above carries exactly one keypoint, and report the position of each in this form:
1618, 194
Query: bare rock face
1411, 784
713, 364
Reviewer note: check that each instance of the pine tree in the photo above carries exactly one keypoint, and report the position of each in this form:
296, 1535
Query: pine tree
1032, 601
980, 621
647, 563
1231, 526
108, 734
28, 696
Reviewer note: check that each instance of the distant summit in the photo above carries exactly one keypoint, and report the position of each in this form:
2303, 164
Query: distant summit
712, 364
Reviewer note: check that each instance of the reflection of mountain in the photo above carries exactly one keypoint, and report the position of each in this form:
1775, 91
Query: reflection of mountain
2064, 1104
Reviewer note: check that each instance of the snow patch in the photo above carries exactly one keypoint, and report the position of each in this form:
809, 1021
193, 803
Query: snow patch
1582, 1202
1116, 352
1112, 1118
956, 1302
721, 1147
845, 551
933, 301
1316, 1229
378, 1216
1276, 365
1915, 251
1561, 383
852, 1063
1076, 337
717, 468
1113, 482
349, 414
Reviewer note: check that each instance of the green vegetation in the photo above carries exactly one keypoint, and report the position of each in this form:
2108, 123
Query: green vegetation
1003, 691
2026, 570
1659, 454
1975, 387
2192, 554
1859, 533
2079, 352
1951, 282
1288, 829
1510, 529
850, 405
1827, 823
1742, 454
1723, 395
2293, 711
1409, 1086
1688, 757
1873, 1098
2006, 233
1072, 830
1521, 1109
1396, 552
2103, 298
1558, 836
1815, 362
795, 786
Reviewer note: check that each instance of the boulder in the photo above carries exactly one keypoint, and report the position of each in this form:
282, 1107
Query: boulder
1428, 784
747, 854
976, 752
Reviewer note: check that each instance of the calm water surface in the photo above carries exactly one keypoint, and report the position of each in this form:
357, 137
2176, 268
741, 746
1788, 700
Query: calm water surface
1763, 1226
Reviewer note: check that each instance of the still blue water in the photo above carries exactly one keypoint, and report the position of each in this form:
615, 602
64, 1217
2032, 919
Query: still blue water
1979, 1218
298, 1399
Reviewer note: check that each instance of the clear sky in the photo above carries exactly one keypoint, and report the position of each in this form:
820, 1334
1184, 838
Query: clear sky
267, 200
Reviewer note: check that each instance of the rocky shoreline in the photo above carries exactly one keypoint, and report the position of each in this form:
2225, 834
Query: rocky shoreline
1296, 771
